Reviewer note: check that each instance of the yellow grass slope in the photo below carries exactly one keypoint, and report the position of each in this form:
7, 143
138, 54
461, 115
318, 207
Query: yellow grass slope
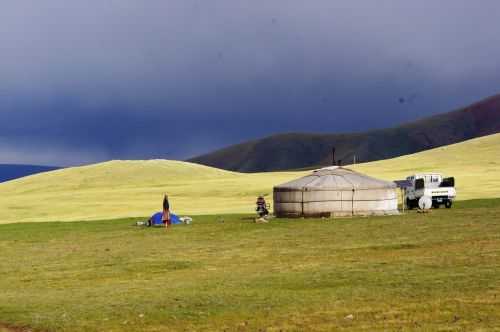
118, 189
475, 164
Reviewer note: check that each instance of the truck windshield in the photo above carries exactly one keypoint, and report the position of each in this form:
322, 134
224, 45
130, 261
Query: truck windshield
432, 181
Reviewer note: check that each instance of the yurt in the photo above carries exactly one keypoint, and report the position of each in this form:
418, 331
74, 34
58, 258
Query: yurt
335, 191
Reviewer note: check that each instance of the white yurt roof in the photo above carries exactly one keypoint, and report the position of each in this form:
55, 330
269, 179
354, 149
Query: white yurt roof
336, 178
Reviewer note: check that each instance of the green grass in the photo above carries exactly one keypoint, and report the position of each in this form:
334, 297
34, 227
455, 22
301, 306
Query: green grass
120, 189
436, 271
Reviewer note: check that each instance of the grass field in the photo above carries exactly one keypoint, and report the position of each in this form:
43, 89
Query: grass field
120, 189
436, 271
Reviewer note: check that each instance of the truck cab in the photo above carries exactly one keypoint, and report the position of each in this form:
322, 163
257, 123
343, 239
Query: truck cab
433, 185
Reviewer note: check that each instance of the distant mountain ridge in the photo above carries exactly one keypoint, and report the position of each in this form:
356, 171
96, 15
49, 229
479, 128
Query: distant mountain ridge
301, 150
13, 171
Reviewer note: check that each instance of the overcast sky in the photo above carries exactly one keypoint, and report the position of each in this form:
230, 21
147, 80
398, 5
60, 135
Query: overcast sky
86, 81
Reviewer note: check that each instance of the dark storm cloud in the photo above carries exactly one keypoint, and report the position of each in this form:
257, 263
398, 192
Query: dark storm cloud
83, 81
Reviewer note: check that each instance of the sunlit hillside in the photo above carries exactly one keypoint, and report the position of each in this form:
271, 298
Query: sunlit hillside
131, 188
475, 164
118, 189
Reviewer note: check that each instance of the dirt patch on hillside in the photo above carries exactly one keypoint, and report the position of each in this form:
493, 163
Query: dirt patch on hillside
12, 328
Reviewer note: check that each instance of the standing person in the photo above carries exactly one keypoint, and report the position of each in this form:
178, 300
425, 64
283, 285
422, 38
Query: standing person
166, 212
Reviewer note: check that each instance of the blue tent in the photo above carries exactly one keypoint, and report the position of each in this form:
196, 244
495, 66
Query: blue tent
156, 219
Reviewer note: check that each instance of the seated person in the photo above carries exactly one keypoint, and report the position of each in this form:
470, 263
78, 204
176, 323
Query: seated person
261, 207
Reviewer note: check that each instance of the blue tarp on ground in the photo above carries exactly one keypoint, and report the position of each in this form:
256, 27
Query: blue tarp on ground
156, 219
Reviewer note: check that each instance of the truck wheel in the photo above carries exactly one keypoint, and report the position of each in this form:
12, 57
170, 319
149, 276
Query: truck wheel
448, 204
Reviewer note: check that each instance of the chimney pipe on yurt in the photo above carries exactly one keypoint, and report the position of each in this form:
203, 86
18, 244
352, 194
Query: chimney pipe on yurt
333, 156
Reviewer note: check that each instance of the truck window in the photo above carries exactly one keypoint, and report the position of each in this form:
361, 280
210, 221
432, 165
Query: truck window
448, 182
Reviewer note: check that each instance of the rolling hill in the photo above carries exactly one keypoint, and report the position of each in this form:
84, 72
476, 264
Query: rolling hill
303, 150
119, 189
13, 171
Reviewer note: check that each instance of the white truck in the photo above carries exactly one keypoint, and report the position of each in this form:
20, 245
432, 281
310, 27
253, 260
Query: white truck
440, 190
